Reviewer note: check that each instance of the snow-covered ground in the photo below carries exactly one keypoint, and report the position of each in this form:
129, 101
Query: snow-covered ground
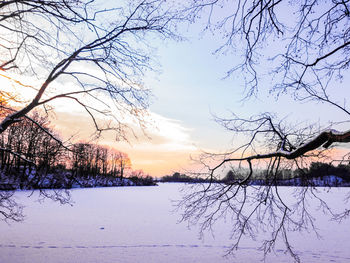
136, 224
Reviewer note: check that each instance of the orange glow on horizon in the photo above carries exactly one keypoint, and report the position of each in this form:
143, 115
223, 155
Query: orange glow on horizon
155, 157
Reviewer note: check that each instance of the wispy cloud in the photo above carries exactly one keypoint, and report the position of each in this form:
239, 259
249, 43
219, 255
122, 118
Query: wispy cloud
164, 146
159, 147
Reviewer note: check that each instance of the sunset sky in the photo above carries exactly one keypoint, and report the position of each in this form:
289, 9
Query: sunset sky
191, 90
188, 92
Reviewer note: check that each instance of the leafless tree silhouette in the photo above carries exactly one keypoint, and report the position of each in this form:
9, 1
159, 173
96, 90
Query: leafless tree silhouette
10, 209
100, 52
306, 45
92, 53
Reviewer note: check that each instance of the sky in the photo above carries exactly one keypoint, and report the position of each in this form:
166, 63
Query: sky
191, 90
188, 92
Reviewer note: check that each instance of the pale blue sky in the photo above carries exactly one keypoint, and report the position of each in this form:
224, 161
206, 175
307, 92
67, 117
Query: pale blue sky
191, 87
187, 92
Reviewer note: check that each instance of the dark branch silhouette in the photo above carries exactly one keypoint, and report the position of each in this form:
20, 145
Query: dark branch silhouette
90, 53
303, 49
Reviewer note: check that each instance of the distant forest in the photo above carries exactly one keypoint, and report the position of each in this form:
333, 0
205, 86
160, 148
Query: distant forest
318, 174
32, 156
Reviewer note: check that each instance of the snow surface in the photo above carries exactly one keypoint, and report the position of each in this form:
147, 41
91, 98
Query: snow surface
137, 224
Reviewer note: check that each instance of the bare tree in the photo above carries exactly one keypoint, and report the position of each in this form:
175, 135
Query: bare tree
120, 163
10, 209
308, 59
100, 51
90, 53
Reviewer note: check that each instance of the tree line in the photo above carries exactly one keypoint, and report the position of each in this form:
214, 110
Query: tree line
317, 174
30, 154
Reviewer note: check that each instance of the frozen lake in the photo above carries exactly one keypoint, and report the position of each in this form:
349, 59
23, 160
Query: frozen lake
136, 224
